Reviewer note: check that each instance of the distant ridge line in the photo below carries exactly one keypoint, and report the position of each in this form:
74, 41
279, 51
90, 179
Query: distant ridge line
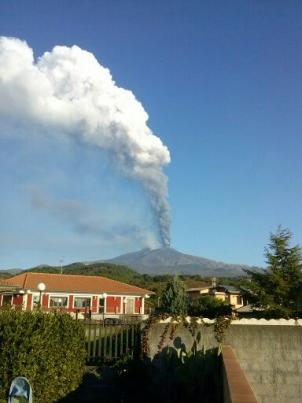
171, 261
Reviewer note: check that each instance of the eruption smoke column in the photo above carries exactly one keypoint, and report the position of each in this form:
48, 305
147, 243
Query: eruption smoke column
69, 92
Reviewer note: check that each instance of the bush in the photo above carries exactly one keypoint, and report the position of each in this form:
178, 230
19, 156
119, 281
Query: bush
46, 348
209, 307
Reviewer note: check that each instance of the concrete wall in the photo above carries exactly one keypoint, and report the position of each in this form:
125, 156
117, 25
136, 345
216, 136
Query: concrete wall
268, 352
271, 357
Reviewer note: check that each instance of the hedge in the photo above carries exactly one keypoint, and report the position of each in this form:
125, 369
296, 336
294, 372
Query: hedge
46, 348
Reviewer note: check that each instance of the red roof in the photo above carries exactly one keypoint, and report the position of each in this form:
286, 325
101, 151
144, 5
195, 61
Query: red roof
74, 283
3, 282
5, 286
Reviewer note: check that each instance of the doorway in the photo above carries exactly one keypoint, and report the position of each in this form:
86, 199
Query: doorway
129, 308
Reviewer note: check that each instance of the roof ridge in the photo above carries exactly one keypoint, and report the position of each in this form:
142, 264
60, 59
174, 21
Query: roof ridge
24, 284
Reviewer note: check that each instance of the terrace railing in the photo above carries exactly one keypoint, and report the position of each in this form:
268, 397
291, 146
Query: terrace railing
111, 342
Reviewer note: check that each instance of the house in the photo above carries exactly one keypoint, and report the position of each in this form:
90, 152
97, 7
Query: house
6, 290
4, 286
229, 294
226, 293
100, 297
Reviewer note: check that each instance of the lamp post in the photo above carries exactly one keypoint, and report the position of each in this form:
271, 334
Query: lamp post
41, 287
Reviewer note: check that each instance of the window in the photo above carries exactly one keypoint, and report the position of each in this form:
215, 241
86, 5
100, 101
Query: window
58, 302
36, 300
7, 299
82, 302
101, 305
239, 300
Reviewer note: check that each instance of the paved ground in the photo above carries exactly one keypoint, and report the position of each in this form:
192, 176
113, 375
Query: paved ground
92, 390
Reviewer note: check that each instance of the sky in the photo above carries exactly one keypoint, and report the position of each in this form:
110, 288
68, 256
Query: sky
221, 84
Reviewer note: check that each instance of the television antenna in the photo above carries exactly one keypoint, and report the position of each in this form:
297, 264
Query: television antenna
61, 265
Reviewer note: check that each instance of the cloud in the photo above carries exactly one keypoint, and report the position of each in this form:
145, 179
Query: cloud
86, 221
68, 92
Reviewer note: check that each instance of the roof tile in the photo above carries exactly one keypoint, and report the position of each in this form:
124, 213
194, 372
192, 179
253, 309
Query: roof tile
74, 283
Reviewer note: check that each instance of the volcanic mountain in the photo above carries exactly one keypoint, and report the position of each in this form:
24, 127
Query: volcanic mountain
149, 261
170, 261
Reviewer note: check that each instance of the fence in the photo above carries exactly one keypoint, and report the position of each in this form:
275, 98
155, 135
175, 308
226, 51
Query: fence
107, 343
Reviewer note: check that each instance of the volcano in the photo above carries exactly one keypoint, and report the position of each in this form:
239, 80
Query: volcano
171, 261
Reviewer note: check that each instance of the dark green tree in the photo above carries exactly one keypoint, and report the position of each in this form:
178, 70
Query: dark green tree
174, 298
209, 307
278, 289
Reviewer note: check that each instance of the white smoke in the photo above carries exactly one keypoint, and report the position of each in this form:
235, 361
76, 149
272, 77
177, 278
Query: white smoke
68, 91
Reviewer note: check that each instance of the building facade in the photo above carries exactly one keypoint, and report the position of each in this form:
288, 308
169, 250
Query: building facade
225, 293
79, 295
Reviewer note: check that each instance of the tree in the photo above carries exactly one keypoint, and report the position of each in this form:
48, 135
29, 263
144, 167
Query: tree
209, 307
174, 298
278, 290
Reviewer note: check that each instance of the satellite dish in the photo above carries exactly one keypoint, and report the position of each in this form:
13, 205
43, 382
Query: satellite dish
20, 391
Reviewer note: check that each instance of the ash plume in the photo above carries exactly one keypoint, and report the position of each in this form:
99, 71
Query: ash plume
67, 91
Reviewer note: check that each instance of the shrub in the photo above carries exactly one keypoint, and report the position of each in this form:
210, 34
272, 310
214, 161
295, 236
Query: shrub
209, 307
46, 348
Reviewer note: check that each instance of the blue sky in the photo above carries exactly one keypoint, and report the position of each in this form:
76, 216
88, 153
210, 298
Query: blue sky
221, 83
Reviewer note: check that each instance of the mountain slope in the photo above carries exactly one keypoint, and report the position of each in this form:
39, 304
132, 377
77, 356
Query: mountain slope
9, 273
105, 269
131, 266
169, 260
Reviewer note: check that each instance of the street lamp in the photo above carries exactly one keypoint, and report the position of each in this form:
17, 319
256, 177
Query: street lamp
41, 287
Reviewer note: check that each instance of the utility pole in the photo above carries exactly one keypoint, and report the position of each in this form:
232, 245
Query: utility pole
61, 263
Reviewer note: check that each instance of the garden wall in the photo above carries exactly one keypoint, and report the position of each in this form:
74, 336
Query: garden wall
270, 353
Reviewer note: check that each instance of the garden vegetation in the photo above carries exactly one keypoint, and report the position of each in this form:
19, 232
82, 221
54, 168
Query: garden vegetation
277, 291
47, 348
